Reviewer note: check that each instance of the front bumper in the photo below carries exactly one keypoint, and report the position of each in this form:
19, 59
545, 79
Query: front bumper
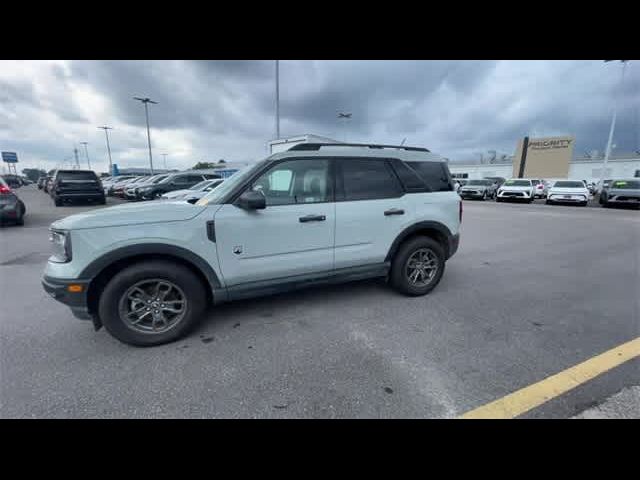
77, 301
624, 199
562, 198
472, 193
515, 195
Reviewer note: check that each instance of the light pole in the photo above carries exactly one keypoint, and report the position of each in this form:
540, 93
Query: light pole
147, 101
75, 153
86, 152
165, 160
346, 117
277, 99
106, 133
613, 122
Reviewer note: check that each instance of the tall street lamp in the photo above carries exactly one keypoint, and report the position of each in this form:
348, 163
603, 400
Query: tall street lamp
147, 101
277, 99
165, 160
613, 121
86, 152
106, 133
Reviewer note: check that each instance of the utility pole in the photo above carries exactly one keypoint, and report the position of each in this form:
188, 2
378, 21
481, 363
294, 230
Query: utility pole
146, 102
106, 133
165, 160
86, 152
75, 153
277, 99
613, 122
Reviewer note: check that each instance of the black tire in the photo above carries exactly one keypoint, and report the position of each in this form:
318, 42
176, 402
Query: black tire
498, 199
102, 201
191, 286
584, 204
20, 219
484, 196
398, 277
548, 202
57, 202
530, 200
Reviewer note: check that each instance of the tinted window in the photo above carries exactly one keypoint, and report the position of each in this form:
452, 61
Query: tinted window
411, 181
626, 184
296, 181
211, 176
368, 179
435, 174
76, 176
479, 182
517, 183
569, 184
188, 179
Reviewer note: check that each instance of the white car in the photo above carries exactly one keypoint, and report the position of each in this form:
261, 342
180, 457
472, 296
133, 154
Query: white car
196, 192
516, 189
314, 214
568, 191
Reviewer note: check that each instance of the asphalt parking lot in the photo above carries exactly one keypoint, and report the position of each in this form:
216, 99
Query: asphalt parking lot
532, 291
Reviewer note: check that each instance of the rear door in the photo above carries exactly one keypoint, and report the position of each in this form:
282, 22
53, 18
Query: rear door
371, 210
78, 182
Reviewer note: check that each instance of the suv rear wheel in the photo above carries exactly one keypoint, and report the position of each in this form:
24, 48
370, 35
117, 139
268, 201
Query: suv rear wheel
418, 266
151, 303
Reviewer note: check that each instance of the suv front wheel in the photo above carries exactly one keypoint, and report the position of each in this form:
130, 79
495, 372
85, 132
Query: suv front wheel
151, 303
418, 266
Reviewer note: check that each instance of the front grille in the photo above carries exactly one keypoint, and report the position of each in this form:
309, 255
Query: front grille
512, 194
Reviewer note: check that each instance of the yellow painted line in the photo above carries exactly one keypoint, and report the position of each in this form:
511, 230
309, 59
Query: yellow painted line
527, 398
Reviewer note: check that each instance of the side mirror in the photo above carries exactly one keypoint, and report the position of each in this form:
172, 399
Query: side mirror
251, 200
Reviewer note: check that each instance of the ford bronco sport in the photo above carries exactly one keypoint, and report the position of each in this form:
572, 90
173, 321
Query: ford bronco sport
317, 213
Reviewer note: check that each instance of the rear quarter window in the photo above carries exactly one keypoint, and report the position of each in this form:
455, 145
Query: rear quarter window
435, 174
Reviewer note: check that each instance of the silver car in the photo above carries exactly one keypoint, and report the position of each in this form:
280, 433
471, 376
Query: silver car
621, 192
478, 189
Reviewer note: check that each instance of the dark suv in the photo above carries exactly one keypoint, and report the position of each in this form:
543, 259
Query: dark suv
177, 181
76, 185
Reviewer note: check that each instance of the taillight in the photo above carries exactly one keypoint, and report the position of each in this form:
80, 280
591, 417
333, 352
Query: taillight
4, 190
460, 211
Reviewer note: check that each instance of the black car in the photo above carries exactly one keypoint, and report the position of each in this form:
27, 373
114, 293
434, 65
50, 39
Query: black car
177, 181
70, 185
12, 209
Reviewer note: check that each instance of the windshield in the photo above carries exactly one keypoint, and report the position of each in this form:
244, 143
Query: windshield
517, 183
626, 184
479, 182
568, 184
202, 185
214, 197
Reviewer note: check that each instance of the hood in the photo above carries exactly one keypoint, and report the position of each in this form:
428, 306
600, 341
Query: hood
177, 193
130, 214
623, 191
513, 188
569, 190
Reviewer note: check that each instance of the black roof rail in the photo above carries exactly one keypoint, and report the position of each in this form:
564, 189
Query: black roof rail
318, 146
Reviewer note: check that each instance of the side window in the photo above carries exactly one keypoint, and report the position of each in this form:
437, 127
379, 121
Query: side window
365, 179
436, 174
296, 181
211, 176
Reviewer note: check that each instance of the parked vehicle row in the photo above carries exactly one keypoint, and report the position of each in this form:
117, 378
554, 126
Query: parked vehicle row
577, 192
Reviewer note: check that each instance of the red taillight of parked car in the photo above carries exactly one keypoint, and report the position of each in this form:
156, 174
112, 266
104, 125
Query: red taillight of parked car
4, 190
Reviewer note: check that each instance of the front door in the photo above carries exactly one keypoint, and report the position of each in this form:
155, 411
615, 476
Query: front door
292, 236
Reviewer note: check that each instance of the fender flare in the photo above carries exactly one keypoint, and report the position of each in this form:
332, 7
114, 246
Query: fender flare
92, 270
416, 227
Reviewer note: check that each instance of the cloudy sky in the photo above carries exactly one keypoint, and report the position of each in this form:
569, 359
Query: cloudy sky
209, 110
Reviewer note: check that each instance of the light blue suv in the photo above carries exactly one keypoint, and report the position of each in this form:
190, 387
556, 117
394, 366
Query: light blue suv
315, 214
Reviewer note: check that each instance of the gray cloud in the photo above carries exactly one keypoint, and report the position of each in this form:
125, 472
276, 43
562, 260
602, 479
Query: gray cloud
225, 109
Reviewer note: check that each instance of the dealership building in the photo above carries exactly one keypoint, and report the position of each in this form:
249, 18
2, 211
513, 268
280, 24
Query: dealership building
552, 158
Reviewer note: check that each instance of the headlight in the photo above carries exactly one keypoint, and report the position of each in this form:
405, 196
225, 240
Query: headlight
60, 246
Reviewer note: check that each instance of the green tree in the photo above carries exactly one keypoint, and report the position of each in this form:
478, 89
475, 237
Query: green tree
203, 165
33, 173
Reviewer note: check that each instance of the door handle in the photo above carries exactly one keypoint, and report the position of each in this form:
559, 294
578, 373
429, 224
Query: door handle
312, 218
394, 211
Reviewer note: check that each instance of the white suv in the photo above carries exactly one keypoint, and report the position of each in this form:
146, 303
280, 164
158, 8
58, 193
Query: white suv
317, 213
517, 189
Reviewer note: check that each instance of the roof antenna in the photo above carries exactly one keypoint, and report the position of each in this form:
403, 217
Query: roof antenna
404, 140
